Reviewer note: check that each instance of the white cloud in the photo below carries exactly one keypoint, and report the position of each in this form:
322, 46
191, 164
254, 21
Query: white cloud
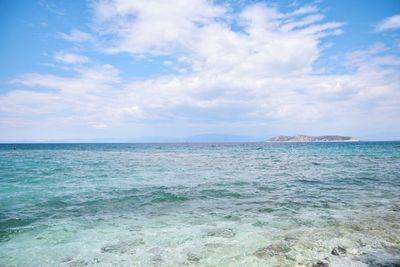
98, 96
262, 73
70, 58
201, 31
77, 36
92, 96
51, 7
390, 23
151, 26
27, 103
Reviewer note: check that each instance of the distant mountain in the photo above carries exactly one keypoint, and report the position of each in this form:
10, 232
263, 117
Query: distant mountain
305, 138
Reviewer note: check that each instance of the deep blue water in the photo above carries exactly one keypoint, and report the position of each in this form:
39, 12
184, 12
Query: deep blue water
236, 204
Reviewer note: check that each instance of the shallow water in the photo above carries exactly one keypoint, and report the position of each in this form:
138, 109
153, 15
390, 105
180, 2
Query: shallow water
253, 204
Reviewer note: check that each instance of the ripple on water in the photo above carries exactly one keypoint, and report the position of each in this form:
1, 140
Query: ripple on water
206, 205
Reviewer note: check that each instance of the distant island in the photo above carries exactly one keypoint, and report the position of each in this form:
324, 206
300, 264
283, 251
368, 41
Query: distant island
305, 138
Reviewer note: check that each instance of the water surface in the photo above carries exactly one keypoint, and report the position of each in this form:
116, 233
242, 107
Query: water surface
240, 204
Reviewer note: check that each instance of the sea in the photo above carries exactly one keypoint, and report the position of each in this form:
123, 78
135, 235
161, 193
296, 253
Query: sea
200, 204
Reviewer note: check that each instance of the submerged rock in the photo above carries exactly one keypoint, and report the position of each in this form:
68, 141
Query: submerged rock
123, 247
262, 253
291, 239
156, 258
193, 257
320, 264
226, 233
260, 224
77, 263
80, 262
338, 251
279, 248
396, 208
389, 257
213, 245
361, 243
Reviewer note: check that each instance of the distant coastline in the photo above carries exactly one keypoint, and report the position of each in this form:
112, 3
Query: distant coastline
306, 138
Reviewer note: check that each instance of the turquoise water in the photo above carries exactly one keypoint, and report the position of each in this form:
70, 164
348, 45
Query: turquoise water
254, 204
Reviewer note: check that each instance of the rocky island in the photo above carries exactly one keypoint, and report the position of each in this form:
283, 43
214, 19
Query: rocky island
305, 138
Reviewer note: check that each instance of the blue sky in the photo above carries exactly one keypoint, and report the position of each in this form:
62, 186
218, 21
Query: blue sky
124, 69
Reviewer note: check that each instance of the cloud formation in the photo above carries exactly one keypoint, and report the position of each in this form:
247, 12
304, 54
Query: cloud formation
255, 66
77, 36
390, 23
70, 58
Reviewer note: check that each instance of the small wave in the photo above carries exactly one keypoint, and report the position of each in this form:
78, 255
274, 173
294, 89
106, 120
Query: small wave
219, 193
168, 197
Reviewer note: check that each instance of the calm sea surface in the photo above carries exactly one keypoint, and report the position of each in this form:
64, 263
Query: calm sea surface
240, 204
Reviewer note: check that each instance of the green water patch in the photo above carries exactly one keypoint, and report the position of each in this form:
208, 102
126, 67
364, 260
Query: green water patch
13, 223
219, 193
266, 210
265, 188
240, 183
161, 197
8, 234
10, 227
310, 181
54, 203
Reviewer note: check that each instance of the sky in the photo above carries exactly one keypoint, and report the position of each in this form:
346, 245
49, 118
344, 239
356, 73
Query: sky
129, 68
